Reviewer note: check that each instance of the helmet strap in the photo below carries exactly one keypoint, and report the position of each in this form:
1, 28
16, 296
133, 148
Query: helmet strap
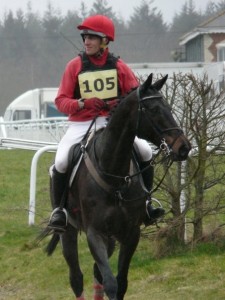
100, 52
104, 43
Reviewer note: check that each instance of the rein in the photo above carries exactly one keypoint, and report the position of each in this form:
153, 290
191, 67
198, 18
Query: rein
164, 147
127, 179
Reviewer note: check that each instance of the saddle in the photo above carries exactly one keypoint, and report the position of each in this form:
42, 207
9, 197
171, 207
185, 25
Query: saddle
76, 154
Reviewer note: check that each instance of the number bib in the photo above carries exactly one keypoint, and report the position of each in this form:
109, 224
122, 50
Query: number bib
102, 84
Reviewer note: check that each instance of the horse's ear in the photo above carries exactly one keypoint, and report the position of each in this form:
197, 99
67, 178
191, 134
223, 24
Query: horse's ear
147, 83
159, 84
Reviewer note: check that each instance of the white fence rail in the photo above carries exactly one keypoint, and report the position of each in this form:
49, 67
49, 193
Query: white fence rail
41, 130
33, 179
41, 136
38, 135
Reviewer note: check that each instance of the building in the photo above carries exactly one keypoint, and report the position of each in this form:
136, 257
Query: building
206, 42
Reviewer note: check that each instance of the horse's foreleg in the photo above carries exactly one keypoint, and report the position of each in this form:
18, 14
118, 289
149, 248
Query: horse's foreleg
70, 252
99, 251
98, 287
127, 249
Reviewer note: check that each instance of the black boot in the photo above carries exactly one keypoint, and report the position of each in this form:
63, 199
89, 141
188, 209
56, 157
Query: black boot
58, 218
152, 214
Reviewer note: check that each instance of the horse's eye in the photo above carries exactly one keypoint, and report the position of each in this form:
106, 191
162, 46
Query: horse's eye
155, 109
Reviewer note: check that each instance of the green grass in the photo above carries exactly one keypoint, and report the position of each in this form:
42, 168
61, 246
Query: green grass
26, 273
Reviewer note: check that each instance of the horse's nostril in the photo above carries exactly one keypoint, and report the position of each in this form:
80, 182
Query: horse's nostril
183, 152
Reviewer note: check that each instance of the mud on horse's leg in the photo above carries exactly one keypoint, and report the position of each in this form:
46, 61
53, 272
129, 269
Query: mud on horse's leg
98, 291
81, 297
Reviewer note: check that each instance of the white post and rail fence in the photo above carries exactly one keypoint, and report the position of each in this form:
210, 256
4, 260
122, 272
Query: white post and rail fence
40, 136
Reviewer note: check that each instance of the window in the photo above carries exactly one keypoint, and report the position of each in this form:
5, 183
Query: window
21, 115
221, 54
220, 51
51, 111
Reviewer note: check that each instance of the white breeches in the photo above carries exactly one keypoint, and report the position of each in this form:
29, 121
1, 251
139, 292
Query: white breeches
75, 134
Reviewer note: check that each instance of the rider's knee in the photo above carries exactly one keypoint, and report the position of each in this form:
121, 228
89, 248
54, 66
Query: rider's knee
61, 166
144, 149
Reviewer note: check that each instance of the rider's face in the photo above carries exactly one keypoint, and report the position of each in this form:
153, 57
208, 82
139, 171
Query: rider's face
92, 44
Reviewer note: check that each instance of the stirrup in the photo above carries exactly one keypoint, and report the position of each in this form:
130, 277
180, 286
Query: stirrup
58, 228
159, 206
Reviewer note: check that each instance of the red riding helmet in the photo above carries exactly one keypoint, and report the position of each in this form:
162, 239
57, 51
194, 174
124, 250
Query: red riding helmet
98, 25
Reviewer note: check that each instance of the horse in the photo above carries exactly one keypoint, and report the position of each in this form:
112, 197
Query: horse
106, 199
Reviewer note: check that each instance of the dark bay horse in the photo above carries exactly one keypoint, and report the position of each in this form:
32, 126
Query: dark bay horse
106, 199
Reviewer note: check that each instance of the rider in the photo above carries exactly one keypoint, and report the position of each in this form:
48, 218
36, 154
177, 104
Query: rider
90, 80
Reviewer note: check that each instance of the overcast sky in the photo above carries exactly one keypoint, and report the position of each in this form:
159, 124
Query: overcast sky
124, 8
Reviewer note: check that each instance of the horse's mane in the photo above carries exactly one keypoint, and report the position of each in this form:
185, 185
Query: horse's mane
120, 99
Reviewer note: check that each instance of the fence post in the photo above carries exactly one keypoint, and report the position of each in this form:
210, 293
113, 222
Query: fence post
33, 176
3, 129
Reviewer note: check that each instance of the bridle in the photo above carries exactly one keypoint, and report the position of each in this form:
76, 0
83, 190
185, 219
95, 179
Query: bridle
163, 148
160, 132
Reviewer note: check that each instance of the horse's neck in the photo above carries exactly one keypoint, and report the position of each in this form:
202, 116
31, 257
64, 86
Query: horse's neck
116, 142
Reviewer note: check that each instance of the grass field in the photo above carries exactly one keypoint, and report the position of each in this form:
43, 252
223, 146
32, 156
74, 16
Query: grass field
26, 273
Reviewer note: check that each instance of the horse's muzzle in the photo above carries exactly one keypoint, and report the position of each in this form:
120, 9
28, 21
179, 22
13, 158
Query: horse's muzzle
182, 152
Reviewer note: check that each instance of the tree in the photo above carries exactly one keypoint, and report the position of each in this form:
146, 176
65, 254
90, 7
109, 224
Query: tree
146, 28
206, 116
213, 8
200, 107
101, 7
17, 40
187, 19
182, 23
83, 10
72, 43
51, 44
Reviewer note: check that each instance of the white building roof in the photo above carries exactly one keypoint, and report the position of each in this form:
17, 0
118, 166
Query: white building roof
212, 25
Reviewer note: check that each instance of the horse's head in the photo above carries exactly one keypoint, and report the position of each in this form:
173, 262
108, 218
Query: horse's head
156, 122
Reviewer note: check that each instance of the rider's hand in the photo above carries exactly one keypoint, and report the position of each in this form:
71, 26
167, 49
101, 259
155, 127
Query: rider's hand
111, 104
94, 104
